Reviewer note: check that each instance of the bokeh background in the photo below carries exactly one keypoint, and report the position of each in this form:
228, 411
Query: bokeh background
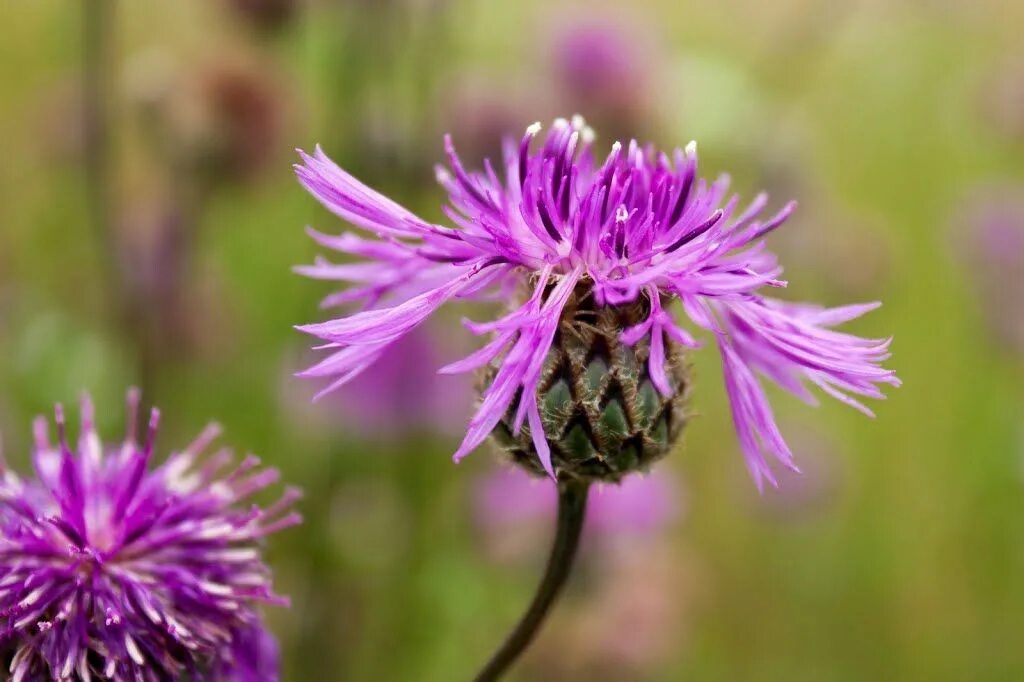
149, 220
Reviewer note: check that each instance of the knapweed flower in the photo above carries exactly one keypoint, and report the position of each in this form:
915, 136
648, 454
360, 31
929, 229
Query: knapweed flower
585, 375
113, 569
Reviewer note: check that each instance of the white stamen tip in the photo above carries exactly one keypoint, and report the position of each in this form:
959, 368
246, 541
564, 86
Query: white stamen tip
616, 146
577, 122
533, 128
587, 135
560, 123
691, 148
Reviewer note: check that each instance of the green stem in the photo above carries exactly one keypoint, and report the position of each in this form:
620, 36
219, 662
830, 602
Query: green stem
572, 508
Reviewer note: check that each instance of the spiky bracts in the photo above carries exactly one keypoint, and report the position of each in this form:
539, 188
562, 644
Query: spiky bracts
601, 413
111, 568
639, 225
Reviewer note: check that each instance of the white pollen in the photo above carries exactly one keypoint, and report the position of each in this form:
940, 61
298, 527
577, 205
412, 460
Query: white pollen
577, 122
691, 148
533, 128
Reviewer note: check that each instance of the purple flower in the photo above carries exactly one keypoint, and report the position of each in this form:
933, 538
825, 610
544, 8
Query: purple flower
638, 505
638, 226
112, 569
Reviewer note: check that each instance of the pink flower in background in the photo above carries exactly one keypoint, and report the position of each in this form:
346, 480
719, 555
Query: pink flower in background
814, 492
600, 69
641, 504
404, 394
639, 584
989, 240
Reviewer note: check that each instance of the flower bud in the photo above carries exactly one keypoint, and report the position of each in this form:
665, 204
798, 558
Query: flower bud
603, 416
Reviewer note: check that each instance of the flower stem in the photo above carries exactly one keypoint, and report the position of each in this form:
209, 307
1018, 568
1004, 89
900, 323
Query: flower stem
97, 51
98, 95
572, 508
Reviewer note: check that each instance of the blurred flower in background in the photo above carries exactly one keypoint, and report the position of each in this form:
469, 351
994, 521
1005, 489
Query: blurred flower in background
487, 114
404, 397
842, 252
179, 309
624, 619
988, 239
602, 68
265, 15
208, 124
812, 492
515, 510
1002, 98
171, 556
59, 121
642, 504
632, 618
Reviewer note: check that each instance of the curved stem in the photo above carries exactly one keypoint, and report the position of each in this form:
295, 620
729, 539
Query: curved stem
572, 507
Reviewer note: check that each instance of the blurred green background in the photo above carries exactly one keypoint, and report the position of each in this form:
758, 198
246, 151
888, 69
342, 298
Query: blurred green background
899, 555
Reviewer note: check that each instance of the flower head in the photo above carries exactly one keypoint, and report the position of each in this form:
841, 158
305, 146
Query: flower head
113, 569
593, 254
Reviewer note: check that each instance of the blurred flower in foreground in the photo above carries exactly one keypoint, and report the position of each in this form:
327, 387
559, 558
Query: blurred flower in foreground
989, 238
112, 569
255, 657
586, 375
600, 69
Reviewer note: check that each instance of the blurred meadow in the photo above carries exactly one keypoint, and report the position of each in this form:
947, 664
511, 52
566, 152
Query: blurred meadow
149, 221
